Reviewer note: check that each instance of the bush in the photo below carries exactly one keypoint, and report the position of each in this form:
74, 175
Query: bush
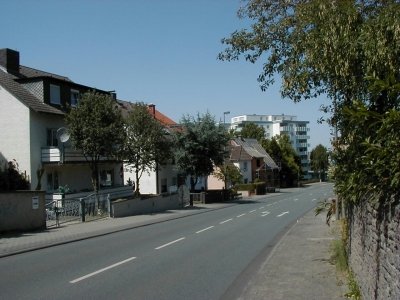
261, 188
250, 187
11, 178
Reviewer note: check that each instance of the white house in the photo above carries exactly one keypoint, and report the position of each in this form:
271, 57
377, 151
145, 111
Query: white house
32, 128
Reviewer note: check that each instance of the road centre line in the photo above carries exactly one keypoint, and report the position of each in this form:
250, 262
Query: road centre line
262, 207
313, 200
204, 229
170, 243
102, 270
265, 212
252, 211
240, 216
225, 221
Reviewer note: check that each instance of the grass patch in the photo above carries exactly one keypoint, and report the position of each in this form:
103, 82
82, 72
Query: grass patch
338, 256
340, 260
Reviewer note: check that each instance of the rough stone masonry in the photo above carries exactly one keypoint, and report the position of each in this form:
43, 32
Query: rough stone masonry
374, 251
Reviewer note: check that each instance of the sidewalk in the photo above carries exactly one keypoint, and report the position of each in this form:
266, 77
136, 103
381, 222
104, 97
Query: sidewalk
297, 267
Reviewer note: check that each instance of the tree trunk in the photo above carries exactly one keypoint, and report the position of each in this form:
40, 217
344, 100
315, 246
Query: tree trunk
137, 191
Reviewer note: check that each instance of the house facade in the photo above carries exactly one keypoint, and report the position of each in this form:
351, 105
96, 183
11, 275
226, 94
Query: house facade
253, 162
33, 132
275, 125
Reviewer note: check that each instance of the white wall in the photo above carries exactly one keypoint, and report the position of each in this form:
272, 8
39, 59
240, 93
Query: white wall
148, 184
246, 173
39, 123
14, 132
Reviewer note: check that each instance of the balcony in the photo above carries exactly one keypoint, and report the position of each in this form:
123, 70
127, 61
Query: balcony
56, 155
302, 137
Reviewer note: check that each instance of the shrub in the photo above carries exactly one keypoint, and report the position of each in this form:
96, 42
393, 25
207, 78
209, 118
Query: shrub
11, 178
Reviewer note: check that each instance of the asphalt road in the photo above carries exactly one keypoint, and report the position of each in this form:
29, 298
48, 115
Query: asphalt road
197, 257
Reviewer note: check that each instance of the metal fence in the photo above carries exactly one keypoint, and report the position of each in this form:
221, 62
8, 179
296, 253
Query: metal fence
91, 207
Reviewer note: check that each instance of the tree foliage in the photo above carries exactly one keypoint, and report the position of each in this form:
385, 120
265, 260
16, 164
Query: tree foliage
319, 160
253, 131
200, 146
283, 153
96, 128
319, 46
348, 50
229, 174
11, 178
147, 143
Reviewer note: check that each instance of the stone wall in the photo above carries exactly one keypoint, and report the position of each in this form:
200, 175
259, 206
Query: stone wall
374, 251
137, 206
22, 211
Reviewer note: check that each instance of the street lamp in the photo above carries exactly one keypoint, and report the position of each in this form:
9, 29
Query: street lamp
226, 113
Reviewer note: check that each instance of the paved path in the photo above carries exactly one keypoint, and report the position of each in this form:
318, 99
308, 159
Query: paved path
297, 267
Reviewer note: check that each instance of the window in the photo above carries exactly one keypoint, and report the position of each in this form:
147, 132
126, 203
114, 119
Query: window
52, 140
245, 166
55, 97
106, 177
52, 181
74, 97
258, 162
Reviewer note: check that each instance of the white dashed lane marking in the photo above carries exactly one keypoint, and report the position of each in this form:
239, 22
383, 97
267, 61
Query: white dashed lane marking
170, 243
102, 270
205, 229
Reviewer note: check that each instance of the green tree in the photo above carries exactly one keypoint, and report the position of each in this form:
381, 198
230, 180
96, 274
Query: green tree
229, 174
348, 50
200, 146
253, 131
319, 160
147, 144
321, 46
283, 153
96, 128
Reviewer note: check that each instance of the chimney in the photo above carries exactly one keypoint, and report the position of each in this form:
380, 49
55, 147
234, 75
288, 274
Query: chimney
9, 59
153, 109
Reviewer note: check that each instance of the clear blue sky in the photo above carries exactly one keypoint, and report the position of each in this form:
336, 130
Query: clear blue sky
156, 51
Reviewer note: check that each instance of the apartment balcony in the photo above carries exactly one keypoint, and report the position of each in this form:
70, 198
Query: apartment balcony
302, 137
303, 145
66, 155
302, 129
303, 153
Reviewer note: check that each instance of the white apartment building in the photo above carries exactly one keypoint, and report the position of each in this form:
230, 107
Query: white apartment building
274, 125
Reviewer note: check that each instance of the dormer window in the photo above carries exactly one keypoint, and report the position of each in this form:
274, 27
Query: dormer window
55, 96
74, 97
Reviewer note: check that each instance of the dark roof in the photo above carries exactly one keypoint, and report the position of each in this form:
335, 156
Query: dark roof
7, 81
27, 72
246, 149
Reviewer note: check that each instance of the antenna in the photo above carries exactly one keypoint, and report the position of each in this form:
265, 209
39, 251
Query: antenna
62, 134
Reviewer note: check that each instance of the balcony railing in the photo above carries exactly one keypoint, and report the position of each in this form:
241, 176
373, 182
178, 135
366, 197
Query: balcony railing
56, 155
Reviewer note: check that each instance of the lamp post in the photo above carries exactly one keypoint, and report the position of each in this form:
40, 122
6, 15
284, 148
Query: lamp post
226, 113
